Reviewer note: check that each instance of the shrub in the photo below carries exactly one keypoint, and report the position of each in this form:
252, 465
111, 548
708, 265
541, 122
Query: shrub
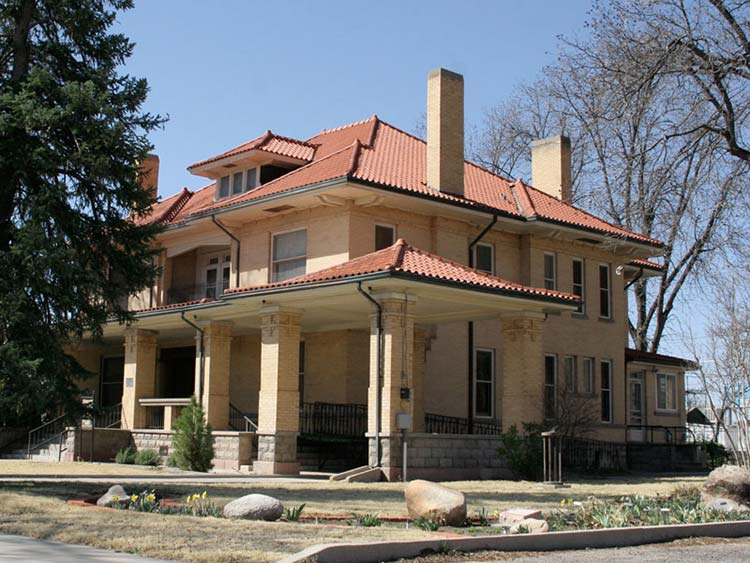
523, 452
193, 447
147, 457
427, 524
292, 513
126, 455
716, 454
368, 520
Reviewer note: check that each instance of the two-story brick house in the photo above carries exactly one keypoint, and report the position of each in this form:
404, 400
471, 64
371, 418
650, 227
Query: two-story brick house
368, 269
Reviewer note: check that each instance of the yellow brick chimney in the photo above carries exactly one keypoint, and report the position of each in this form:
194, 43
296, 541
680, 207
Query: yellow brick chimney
550, 167
445, 131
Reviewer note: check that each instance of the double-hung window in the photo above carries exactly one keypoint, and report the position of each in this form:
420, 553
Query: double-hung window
550, 386
251, 179
550, 271
605, 292
237, 183
385, 236
223, 187
484, 258
484, 382
587, 376
288, 255
579, 284
666, 392
569, 365
606, 390
218, 268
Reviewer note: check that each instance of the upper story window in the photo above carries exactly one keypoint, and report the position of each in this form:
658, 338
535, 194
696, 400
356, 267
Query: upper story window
550, 386
550, 271
484, 258
288, 255
385, 236
605, 292
236, 183
587, 376
579, 284
605, 389
216, 277
666, 392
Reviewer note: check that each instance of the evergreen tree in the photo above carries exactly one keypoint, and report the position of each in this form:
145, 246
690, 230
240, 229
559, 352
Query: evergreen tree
191, 441
72, 133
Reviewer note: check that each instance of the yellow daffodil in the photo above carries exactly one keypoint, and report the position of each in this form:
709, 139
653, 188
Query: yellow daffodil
204, 495
134, 498
187, 499
115, 498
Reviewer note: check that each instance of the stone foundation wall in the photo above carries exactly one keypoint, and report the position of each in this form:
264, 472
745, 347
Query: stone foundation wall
442, 457
106, 443
10, 435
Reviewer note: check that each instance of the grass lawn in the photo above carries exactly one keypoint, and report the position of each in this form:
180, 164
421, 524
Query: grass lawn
71, 468
40, 510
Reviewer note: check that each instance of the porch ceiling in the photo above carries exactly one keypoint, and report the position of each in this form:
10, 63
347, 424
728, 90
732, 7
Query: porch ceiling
337, 306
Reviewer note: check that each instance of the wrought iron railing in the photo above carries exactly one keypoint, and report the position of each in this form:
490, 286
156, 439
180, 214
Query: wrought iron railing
655, 434
108, 417
333, 419
441, 424
242, 422
196, 292
47, 433
155, 417
586, 455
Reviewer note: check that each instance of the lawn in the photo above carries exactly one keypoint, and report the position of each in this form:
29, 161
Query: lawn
40, 510
70, 468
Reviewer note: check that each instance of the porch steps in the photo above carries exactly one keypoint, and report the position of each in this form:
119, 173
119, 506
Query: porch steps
50, 452
333, 455
364, 474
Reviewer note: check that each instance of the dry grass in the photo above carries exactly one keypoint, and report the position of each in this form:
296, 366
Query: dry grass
72, 469
39, 510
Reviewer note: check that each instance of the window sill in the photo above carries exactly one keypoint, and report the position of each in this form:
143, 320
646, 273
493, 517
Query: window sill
606, 320
666, 413
581, 316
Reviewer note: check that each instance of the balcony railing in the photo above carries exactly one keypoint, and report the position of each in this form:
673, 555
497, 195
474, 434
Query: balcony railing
441, 424
196, 292
333, 419
161, 412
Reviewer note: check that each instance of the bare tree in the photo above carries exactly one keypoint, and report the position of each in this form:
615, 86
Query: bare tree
639, 159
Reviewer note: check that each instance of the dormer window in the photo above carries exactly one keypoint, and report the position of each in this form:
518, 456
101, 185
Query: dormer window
251, 179
223, 188
237, 183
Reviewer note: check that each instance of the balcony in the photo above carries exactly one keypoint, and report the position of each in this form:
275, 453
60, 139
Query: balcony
196, 292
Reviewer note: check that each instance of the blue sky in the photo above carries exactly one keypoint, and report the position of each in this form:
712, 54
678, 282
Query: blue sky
226, 71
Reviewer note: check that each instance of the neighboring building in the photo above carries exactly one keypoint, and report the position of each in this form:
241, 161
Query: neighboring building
307, 270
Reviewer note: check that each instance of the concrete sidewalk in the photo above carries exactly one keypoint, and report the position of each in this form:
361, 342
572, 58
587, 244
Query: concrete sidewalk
15, 549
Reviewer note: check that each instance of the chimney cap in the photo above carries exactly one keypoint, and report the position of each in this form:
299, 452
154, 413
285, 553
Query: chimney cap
556, 139
445, 73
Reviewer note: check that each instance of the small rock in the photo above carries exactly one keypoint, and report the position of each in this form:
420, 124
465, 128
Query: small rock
255, 507
109, 497
425, 499
530, 526
509, 517
727, 482
725, 505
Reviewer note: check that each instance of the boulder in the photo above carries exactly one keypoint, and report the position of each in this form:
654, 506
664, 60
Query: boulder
114, 494
725, 505
254, 507
435, 502
507, 518
530, 526
727, 482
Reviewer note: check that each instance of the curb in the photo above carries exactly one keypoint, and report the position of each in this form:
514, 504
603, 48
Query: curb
607, 537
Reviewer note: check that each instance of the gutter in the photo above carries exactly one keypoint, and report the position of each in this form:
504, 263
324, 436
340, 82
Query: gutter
201, 356
379, 369
237, 253
470, 340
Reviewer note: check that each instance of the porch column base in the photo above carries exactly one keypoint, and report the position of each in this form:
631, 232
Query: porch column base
391, 455
277, 454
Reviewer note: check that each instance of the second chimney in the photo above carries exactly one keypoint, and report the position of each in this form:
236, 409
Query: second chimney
149, 174
550, 167
445, 131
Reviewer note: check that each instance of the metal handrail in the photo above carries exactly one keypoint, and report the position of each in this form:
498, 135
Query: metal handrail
237, 416
35, 442
443, 424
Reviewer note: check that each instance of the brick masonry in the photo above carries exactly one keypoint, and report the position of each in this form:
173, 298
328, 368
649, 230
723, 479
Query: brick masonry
231, 449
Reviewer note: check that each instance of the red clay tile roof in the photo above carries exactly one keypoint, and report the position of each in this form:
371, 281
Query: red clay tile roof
378, 154
648, 264
176, 305
268, 142
165, 211
401, 258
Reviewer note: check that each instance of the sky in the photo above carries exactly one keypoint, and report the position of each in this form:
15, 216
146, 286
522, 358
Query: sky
225, 71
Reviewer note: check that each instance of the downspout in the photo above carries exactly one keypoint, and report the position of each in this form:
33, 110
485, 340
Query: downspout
201, 358
378, 369
470, 376
237, 253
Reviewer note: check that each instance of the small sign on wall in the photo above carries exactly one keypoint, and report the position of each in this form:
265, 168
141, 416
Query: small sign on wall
128, 382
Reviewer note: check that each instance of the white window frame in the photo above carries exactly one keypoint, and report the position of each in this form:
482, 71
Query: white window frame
581, 311
385, 226
234, 175
609, 390
246, 173
271, 261
587, 375
492, 383
218, 195
492, 256
223, 259
666, 407
553, 386
553, 279
608, 289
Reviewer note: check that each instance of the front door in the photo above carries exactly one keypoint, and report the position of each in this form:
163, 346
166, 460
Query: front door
635, 394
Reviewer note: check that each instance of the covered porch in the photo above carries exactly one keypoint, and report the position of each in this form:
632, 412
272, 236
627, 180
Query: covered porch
340, 351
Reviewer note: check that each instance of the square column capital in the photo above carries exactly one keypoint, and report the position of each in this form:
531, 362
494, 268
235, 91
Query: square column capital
140, 336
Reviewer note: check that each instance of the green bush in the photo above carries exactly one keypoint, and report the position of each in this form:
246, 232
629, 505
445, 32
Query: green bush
147, 457
523, 451
126, 455
193, 447
368, 520
427, 524
716, 454
293, 513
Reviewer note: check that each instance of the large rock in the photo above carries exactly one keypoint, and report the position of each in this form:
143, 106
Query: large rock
725, 505
727, 482
430, 500
507, 518
254, 507
529, 526
115, 494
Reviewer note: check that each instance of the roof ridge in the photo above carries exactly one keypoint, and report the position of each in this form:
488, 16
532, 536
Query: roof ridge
354, 161
345, 126
525, 190
182, 198
399, 247
295, 141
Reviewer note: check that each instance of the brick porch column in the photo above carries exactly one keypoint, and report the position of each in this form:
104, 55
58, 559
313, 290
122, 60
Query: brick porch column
139, 375
523, 369
217, 349
398, 354
418, 379
278, 409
